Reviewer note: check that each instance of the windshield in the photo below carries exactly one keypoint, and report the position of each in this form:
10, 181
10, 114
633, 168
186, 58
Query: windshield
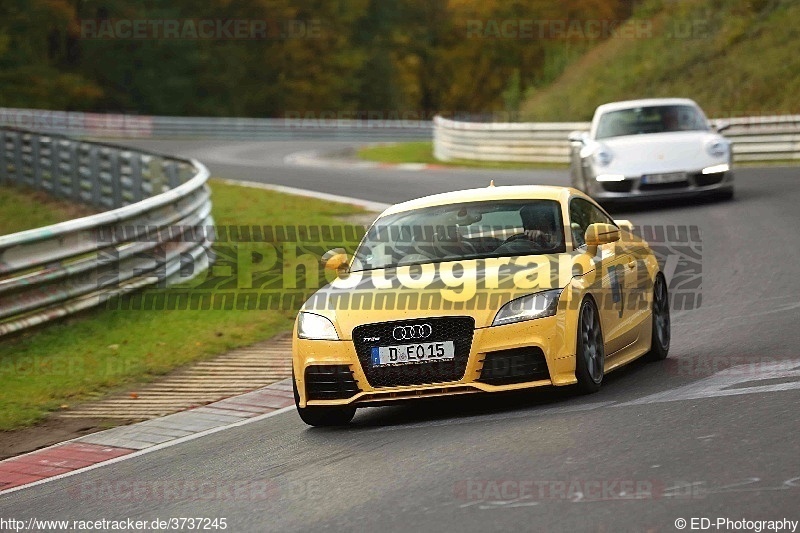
473, 230
652, 119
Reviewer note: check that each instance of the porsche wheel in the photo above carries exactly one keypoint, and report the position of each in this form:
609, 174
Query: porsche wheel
322, 416
725, 195
590, 357
659, 347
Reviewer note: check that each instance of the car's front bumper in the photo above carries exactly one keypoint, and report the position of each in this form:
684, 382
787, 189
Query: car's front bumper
547, 334
632, 189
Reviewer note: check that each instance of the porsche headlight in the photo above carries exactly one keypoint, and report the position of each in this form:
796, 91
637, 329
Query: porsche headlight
538, 305
602, 157
717, 148
315, 327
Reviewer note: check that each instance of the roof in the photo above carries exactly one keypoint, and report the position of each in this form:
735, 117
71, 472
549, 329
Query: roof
510, 192
644, 102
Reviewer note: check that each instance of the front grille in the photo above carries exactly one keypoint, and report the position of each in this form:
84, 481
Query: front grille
703, 180
617, 186
330, 382
518, 365
663, 186
456, 329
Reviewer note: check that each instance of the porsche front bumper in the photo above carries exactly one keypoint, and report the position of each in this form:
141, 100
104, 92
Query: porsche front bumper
631, 188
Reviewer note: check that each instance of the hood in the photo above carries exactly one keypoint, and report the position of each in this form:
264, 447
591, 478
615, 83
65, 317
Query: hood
678, 151
475, 288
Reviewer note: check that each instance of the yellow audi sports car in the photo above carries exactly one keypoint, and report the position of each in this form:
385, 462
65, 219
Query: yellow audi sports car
482, 290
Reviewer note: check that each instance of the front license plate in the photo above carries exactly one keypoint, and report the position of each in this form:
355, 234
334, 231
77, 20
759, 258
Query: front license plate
423, 352
671, 177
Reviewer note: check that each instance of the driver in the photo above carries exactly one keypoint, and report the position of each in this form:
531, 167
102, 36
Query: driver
670, 119
539, 222
540, 230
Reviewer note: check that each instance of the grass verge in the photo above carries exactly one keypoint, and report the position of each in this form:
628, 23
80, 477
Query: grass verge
22, 209
84, 357
422, 152
733, 58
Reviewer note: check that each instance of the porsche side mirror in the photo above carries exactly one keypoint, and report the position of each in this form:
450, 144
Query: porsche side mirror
578, 136
721, 126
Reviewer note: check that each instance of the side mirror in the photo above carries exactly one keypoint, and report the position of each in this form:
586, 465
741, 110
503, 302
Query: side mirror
336, 261
599, 233
721, 126
578, 136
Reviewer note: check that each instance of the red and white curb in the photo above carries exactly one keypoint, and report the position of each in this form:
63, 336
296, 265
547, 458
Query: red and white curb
113, 445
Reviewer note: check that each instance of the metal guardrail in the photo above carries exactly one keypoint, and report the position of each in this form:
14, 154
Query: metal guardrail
155, 222
373, 127
753, 138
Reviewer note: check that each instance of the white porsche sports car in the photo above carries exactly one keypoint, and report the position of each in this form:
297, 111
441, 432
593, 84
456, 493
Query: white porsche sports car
651, 149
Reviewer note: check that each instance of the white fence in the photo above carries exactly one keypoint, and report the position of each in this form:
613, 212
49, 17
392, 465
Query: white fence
295, 126
754, 139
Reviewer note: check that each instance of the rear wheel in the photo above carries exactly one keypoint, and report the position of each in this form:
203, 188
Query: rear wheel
590, 357
659, 346
320, 416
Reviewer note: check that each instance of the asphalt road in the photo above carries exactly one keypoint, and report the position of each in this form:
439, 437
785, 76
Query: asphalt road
683, 438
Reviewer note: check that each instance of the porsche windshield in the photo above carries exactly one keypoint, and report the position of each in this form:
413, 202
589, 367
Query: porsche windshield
453, 232
651, 119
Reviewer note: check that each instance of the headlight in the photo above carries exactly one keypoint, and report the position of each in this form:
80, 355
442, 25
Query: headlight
716, 169
537, 305
602, 157
717, 148
610, 177
315, 327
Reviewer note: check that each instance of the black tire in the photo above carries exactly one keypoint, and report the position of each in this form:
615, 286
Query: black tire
725, 195
322, 416
590, 356
661, 324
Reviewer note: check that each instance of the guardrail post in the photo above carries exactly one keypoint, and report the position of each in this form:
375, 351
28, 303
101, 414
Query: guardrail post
116, 181
17, 175
3, 161
55, 168
171, 170
75, 174
136, 178
94, 176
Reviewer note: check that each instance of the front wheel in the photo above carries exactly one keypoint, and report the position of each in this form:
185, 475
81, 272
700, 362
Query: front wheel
659, 346
319, 416
590, 356
723, 195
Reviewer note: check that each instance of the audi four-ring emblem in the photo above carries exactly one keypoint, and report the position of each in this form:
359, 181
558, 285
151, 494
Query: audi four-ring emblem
419, 331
